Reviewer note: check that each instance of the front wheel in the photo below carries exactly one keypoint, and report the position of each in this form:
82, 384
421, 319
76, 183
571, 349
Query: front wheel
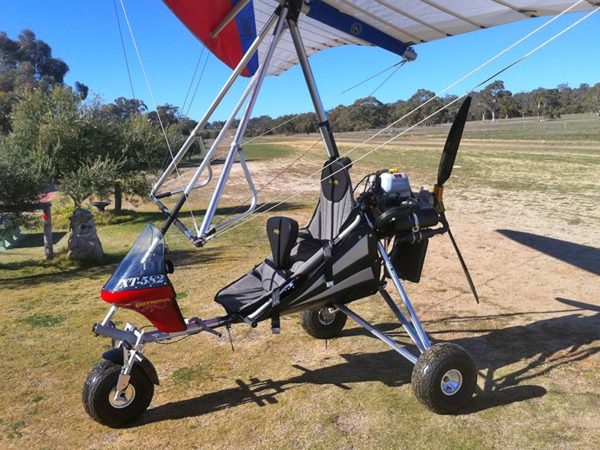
323, 323
101, 402
444, 378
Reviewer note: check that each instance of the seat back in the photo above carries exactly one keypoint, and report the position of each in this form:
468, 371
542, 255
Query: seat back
335, 201
282, 233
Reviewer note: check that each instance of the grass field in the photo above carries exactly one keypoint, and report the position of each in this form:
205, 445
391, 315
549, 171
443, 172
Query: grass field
525, 207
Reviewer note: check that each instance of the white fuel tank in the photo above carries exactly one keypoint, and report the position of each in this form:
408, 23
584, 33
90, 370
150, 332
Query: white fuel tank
395, 184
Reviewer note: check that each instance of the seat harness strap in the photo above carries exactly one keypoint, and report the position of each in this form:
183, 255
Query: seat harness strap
328, 263
328, 247
275, 311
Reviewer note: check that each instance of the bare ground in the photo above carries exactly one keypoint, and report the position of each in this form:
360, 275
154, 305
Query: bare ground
534, 255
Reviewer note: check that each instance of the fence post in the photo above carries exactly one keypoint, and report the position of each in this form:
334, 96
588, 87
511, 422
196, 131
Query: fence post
48, 243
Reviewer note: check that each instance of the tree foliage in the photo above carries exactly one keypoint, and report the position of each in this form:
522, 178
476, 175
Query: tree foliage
53, 133
20, 182
90, 177
425, 108
26, 63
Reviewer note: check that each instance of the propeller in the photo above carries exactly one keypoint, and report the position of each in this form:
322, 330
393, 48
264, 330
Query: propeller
450, 150
444, 172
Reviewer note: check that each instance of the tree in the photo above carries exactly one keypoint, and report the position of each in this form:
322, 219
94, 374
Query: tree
91, 177
25, 64
489, 99
591, 99
421, 107
547, 102
139, 149
20, 181
53, 136
168, 114
507, 105
123, 108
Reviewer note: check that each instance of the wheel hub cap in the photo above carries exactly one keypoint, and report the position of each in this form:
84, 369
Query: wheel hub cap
451, 382
326, 316
123, 399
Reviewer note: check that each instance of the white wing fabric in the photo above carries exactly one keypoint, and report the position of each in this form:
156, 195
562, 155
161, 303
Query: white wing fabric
391, 24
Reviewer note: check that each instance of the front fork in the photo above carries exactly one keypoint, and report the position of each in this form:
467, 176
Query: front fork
131, 353
130, 357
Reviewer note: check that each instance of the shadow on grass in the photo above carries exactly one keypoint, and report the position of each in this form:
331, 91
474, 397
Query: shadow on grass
578, 255
545, 345
32, 240
59, 268
40, 271
157, 216
63, 269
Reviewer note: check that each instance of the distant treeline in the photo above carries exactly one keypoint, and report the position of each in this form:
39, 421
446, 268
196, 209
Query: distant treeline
52, 133
494, 101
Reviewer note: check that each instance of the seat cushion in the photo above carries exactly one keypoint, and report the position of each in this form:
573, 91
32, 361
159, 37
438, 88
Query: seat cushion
251, 288
306, 247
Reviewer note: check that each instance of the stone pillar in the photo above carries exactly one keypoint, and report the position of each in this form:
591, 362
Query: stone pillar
83, 241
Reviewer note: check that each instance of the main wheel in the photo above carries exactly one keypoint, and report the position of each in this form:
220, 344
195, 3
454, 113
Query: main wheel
99, 395
323, 323
444, 378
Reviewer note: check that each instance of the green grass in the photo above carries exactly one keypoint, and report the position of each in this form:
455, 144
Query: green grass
262, 151
290, 391
571, 127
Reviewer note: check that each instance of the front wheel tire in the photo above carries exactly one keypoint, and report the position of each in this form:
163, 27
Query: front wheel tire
444, 378
99, 395
323, 323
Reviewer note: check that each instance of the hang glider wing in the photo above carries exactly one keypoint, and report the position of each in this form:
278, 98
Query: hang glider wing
391, 24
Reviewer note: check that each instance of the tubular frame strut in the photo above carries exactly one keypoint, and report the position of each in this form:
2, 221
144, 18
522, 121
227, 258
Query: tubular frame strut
282, 18
411, 324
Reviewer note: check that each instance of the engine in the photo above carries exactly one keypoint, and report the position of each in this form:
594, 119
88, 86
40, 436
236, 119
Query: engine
404, 218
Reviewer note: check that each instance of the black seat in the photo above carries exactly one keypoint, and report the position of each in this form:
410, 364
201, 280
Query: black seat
332, 211
270, 274
291, 247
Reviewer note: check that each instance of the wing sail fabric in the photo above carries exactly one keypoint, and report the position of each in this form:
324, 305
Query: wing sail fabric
203, 16
390, 24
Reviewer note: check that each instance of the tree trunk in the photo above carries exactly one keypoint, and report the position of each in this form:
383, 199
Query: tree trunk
118, 198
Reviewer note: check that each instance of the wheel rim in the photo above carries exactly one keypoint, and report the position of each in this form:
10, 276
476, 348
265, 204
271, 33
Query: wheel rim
451, 382
326, 316
124, 399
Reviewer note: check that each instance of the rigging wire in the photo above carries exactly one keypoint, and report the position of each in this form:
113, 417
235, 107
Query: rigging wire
437, 95
294, 117
459, 80
378, 147
404, 61
197, 84
123, 47
151, 92
192, 80
398, 64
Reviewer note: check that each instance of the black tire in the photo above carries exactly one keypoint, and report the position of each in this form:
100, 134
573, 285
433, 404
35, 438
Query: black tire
323, 323
97, 389
451, 365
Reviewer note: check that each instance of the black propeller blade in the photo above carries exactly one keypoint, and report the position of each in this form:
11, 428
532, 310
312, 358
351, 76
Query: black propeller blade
462, 261
444, 171
452, 143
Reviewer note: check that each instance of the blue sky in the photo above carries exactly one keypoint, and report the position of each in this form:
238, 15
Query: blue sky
85, 35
